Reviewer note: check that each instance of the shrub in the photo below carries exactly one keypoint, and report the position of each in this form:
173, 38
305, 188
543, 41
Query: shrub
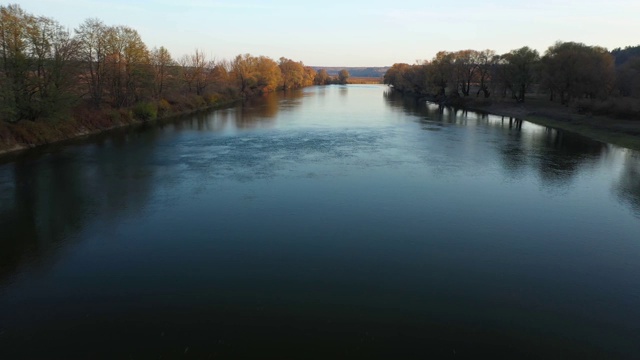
114, 116
145, 111
213, 99
200, 102
163, 106
126, 115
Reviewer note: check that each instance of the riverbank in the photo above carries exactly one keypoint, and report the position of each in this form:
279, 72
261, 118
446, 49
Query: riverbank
85, 121
541, 111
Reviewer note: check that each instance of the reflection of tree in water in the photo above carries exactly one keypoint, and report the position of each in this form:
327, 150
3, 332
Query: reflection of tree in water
53, 197
205, 121
408, 104
628, 186
562, 154
262, 111
557, 155
513, 152
420, 108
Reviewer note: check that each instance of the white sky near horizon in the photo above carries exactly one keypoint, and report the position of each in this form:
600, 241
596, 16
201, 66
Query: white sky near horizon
355, 33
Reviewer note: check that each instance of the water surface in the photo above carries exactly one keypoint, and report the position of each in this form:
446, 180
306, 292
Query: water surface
333, 222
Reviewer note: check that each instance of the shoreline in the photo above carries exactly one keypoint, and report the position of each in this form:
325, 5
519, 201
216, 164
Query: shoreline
540, 111
623, 133
84, 131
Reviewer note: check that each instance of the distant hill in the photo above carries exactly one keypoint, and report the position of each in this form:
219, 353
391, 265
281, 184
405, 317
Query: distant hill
373, 72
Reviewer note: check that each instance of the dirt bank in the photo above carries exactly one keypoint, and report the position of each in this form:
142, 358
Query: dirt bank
539, 110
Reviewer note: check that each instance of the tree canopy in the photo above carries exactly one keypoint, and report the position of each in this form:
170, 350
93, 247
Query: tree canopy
46, 69
567, 72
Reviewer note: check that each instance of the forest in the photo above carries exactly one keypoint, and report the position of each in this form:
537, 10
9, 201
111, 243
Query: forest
588, 78
55, 82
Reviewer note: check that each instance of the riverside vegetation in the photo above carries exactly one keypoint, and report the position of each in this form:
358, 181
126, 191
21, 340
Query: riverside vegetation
587, 89
57, 84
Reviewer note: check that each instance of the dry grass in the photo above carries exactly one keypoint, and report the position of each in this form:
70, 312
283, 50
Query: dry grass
365, 80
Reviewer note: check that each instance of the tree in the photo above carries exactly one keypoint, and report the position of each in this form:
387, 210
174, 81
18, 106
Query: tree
575, 70
126, 65
161, 60
35, 65
220, 77
309, 76
321, 78
269, 75
628, 78
521, 70
54, 53
487, 61
293, 73
440, 72
92, 38
195, 70
255, 74
243, 71
15, 26
343, 76
623, 55
465, 64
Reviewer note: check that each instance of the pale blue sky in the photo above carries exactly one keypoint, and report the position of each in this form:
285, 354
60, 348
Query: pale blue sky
355, 33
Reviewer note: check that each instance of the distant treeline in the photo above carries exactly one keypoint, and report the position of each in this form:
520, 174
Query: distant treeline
367, 72
48, 72
589, 77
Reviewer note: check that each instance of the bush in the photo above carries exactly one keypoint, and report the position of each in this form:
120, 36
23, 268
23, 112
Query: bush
145, 111
213, 99
163, 106
126, 116
200, 102
114, 116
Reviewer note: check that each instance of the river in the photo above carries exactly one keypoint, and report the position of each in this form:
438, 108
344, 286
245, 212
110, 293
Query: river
330, 222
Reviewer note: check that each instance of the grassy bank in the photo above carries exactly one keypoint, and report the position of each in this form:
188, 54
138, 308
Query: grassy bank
539, 110
85, 121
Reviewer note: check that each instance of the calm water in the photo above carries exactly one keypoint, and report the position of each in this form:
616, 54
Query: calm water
335, 222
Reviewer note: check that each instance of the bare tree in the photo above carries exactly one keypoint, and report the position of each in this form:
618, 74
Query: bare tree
195, 68
92, 38
161, 60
